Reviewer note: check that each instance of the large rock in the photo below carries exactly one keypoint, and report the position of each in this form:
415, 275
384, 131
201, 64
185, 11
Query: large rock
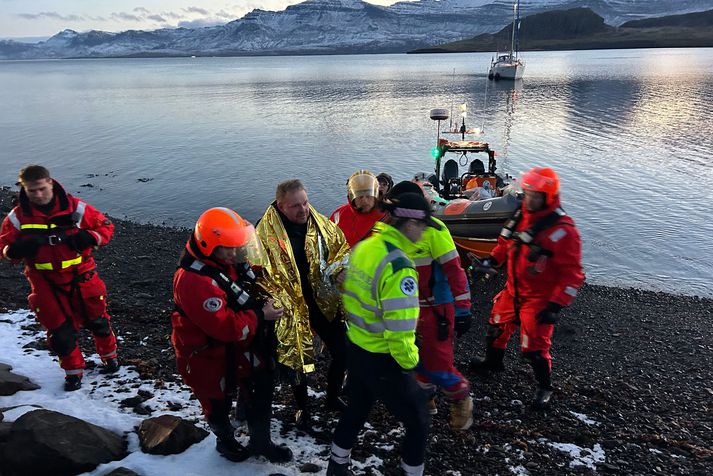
47, 442
168, 435
11, 383
121, 471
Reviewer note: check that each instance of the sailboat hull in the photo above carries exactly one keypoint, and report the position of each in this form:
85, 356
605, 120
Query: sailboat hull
507, 70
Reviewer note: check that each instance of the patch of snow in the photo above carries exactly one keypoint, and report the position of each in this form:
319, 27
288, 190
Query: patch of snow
98, 402
520, 470
580, 456
584, 418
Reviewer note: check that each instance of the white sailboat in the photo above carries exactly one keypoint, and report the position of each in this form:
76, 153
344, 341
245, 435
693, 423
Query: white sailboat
508, 65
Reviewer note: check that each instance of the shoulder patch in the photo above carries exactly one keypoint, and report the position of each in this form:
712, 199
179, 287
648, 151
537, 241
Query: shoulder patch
213, 304
401, 263
557, 235
408, 286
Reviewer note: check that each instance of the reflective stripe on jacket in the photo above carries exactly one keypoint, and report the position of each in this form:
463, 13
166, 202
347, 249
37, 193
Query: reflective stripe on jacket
68, 216
380, 297
441, 279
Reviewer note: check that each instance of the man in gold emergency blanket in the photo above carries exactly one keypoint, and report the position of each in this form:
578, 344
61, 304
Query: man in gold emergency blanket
306, 254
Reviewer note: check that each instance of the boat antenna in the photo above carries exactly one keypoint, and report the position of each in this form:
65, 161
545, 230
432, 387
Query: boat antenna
450, 122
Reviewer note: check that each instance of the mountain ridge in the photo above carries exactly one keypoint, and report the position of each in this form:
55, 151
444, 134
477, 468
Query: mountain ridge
326, 27
581, 28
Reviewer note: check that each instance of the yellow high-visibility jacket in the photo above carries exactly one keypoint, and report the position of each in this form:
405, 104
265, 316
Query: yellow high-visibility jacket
380, 297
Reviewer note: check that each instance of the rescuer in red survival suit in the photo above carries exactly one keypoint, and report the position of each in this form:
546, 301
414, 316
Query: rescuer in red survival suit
357, 217
54, 233
543, 252
222, 333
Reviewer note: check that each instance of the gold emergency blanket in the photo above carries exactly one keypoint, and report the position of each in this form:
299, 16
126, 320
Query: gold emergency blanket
325, 246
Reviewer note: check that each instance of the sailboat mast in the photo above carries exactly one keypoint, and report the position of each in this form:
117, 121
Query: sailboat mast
514, 20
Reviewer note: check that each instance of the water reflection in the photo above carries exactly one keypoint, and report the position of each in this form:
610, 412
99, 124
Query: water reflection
626, 130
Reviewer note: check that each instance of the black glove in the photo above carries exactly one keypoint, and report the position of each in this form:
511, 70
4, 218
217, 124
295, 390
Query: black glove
550, 314
81, 241
482, 269
463, 321
23, 248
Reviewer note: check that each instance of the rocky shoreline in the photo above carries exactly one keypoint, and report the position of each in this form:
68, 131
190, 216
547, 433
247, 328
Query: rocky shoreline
633, 371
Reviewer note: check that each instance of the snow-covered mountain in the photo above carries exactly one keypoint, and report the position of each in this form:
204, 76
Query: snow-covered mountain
333, 26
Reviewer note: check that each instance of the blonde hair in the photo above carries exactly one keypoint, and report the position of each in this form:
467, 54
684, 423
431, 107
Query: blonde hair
283, 188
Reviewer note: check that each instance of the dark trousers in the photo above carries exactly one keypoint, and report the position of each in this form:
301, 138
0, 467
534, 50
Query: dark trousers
375, 377
333, 334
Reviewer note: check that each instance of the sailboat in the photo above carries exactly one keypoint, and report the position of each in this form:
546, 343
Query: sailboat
508, 65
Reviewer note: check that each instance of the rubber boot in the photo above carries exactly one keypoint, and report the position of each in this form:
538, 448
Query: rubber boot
541, 369
259, 413
225, 444
111, 366
72, 383
303, 416
492, 362
261, 443
461, 414
336, 469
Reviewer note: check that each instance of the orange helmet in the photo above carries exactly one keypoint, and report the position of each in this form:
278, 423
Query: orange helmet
221, 227
542, 179
362, 184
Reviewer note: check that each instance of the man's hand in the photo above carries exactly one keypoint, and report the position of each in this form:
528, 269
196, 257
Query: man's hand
22, 248
550, 314
80, 241
463, 320
271, 312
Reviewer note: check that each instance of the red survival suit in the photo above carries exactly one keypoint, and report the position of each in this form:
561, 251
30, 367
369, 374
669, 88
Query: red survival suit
207, 330
355, 225
547, 270
442, 290
67, 292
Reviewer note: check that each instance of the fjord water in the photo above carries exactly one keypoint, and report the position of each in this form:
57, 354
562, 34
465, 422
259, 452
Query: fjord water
160, 140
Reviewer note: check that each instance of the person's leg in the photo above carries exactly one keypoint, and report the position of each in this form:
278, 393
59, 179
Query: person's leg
405, 399
501, 325
216, 411
535, 343
53, 311
259, 414
91, 303
333, 334
364, 370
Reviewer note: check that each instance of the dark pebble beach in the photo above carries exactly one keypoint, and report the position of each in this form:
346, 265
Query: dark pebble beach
633, 372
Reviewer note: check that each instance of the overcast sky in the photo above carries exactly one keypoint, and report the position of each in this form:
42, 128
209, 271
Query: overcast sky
29, 18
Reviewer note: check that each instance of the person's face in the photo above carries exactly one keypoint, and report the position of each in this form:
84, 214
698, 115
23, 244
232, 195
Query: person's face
364, 204
39, 192
230, 256
383, 188
295, 206
534, 201
414, 230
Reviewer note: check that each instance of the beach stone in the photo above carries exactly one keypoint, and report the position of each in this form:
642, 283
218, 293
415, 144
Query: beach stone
168, 435
121, 471
310, 468
11, 383
48, 442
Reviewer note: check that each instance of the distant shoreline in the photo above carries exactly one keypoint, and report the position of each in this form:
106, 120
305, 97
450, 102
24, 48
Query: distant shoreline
434, 50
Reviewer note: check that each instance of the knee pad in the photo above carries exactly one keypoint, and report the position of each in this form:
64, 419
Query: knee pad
63, 339
492, 333
99, 327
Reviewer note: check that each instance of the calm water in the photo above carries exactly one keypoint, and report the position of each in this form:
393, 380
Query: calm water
629, 131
